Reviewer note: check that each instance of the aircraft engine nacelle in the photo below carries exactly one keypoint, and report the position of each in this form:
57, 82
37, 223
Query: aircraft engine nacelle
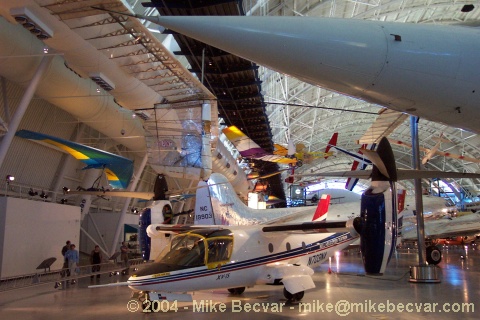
377, 228
156, 213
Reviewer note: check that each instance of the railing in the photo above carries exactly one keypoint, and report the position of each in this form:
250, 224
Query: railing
33, 193
59, 276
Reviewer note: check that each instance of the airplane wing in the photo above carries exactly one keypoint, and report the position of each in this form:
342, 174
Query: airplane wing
402, 174
438, 152
249, 149
122, 194
313, 227
432, 151
178, 193
280, 150
118, 169
387, 121
466, 225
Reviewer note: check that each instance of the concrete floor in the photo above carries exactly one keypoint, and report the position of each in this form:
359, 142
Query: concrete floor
346, 290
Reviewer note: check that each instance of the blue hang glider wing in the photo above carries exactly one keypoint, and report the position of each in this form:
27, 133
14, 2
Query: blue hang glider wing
118, 169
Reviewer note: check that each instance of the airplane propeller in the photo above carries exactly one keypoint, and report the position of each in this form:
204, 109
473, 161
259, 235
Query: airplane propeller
377, 224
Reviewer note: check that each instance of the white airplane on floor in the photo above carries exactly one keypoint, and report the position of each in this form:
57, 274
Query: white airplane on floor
216, 203
426, 70
465, 227
235, 257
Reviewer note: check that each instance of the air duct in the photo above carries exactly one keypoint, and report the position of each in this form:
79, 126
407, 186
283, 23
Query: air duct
32, 23
65, 89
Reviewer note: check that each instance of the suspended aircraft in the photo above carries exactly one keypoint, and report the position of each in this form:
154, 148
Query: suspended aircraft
293, 155
466, 227
118, 170
429, 153
424, 70
360, 163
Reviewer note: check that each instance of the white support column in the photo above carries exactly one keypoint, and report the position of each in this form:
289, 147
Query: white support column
95, 226
22, 107
6, 108
94, 241
131, 187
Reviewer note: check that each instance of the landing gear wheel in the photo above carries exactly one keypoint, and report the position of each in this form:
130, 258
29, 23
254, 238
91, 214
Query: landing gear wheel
314, 199
293, 296
434, 255
236, 291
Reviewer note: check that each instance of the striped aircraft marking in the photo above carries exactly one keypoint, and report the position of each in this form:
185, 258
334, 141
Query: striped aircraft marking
312, 248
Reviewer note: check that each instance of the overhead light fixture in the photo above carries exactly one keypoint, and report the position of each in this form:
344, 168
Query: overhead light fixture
31, 22
66, 190
102, 81
32, 193
9, 178
63, 201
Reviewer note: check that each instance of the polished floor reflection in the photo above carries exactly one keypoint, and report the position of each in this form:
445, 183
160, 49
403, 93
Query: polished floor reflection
342, 290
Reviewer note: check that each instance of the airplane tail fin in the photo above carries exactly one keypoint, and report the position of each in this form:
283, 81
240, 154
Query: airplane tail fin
203, 205
331, 143
322, 208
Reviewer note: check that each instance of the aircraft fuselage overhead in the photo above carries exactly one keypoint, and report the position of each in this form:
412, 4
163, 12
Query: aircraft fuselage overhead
424, 70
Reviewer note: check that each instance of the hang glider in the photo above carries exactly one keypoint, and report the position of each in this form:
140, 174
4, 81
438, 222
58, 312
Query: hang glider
179, 138
250, 150
171, 194
118, 169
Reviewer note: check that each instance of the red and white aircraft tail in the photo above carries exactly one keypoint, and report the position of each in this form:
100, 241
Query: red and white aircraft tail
322, 208
218, 204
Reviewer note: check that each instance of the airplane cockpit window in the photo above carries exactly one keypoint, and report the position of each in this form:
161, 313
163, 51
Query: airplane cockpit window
194, 250
219, 250
186, 251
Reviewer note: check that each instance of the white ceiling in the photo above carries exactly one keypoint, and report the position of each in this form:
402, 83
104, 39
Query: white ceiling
313, 126
329, 112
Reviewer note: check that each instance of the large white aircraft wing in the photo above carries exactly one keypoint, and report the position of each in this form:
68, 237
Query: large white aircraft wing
402, 174
443, 228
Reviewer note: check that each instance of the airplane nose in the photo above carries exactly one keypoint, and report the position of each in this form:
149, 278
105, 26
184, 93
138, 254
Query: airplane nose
344, 54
